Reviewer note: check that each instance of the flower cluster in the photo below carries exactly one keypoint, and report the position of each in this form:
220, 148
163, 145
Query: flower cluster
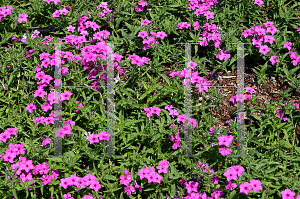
35, 34
151, 110
4, 12
63, 11
141, 6
94, 138
225, 140
87, 181
175, 138
279, 113
150, 40
54, 1
105, 10
148, 173
241, 97
24, 168
7, 134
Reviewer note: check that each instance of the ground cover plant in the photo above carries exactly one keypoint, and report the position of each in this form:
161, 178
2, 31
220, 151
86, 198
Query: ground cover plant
150, 75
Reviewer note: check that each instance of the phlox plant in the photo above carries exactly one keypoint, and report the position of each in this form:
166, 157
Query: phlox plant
149, 133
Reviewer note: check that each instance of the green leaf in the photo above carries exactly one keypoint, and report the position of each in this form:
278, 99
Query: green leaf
150, 189
232, 194
118, 20
44, 129
15, 193
287, 145
110, 177
256, 117
150, 150
129, 26
297, 149
129, 122
125, 13
260, 165
56, 159
145, 95
42, 190
175, 5
78, 128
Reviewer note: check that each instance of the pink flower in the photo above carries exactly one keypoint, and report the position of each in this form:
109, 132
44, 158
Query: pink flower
209, 15
231, 174
269, 38
22, 17
125, 180
31, 107
64, 183
138, 187
89, 178
225, 140
249, 89
95, 185
40, 93
225, 151
240, 98
145, 22
143, 34
71, 28
66, 129
139, 8
56, 13
46, 141
245, 188
56, 1
256, 185
230, 185
104, 135
143, 3
239, 169
46, 107
288, 45
258, 2
88, 197
63, 11
27, 166
272, 30
93, 139
129, 189
68, 196
264, 49
66, 95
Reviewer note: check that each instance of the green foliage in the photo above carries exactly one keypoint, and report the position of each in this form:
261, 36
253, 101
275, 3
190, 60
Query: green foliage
141, 141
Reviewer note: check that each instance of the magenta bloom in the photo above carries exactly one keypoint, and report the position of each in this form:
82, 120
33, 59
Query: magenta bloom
66, 95
231, 174
56, 13
245, 188
225, 140
31, 107
93, 139
259, 2
264, 49
46, 141
256, 185
22, 17
129, 189
145, 22
71, 28
287, 194
225, 151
